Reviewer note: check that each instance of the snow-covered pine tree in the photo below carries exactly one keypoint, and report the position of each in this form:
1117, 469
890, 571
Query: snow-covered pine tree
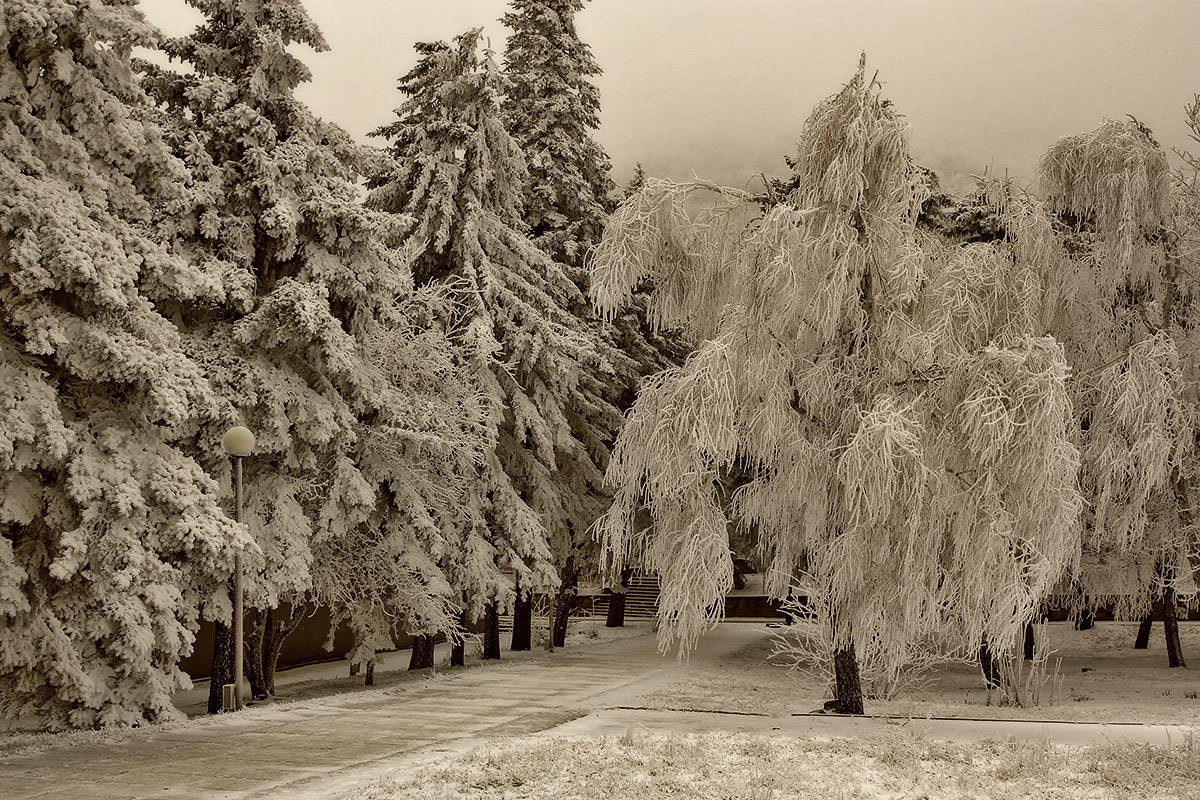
905, 420
1128, 322
308, 337
111, 536
552, 109
636, 182
461, 175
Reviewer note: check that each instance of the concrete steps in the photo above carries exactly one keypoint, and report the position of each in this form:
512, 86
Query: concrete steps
641, 599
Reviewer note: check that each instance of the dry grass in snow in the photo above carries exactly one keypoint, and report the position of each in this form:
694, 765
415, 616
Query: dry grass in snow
728, 766
1100, 677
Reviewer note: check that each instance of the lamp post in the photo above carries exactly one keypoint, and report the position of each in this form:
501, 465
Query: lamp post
237, 442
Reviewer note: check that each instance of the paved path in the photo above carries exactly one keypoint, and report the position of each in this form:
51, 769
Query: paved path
314, 749
293, 750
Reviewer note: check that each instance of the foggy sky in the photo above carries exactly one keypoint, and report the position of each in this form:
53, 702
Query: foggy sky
722, 87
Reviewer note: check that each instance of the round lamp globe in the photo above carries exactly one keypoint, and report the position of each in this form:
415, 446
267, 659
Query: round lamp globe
238, 441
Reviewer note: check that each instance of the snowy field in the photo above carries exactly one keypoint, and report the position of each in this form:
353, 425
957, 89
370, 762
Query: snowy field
331, 725
1100, 677
764, 767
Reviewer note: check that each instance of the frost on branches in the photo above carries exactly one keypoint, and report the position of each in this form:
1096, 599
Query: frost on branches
902, 414
315, 337
111, 537
552, 108
1129, 325
461, 175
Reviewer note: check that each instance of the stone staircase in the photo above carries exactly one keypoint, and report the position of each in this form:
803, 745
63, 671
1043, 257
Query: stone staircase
641, 599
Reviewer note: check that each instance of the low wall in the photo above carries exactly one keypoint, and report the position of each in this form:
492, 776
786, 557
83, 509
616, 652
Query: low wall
305, 645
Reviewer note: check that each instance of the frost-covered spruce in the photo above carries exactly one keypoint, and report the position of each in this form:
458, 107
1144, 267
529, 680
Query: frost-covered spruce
111, 536
904, 418
314, 337
459, 172
552, 109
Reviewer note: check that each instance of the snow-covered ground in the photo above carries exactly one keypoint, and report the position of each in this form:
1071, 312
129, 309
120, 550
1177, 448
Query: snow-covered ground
332, 677
1092, 675
314, 682
541, 725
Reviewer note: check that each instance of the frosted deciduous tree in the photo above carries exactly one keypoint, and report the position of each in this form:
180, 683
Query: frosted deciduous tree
461, 175
111, 535
310, 337
903, 416
1129, 326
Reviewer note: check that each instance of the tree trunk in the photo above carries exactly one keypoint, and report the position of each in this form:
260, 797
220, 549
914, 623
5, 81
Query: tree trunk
256, 634
564, 602
1086, 620
422, 652
990, 665
1142, 641
268, 631
279, 628
616, 609
370, 679
222, 665
616, 602
458, 650
847, 683
1029, 641
491, 632
522, 632
1171, 629
458, 653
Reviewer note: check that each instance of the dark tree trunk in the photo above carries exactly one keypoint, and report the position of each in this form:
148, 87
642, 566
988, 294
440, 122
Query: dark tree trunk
458, 653
422, 652
268, 631
1142, 641
280, 625
847, 683
370, 679
990, 665
616, 602
616, 609
458, 650
1171, 629
256, 634
1029, 641
522, 631
565, 601
1086, 621
491, 632
222, 665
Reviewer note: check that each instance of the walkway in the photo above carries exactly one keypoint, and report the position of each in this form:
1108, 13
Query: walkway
292, 750
313, 748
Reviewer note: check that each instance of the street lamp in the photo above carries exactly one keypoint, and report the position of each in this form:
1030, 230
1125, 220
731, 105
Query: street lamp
237, 442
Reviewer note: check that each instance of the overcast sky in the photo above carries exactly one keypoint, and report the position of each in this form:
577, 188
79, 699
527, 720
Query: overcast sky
722, 87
